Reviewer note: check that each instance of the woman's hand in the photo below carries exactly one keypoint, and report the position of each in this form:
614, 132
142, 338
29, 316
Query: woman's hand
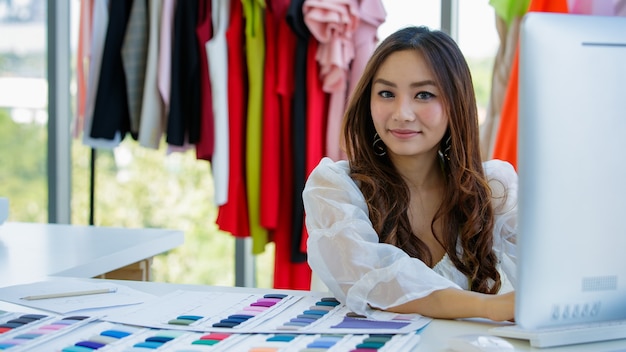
454, 303
500, 307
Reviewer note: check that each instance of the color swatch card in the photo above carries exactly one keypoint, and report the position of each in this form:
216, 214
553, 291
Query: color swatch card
329, 342
119, 337
258, 313
23, 331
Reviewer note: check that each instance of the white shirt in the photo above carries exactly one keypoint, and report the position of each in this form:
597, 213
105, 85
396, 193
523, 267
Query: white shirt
344, 249
217, 56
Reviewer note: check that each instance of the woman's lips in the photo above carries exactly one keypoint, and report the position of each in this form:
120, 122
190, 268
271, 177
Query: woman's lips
404, 134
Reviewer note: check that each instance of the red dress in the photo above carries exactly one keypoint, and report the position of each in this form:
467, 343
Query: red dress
233, 216
271, 142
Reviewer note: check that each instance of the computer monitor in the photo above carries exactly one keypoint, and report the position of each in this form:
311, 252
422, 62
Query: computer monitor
572, 170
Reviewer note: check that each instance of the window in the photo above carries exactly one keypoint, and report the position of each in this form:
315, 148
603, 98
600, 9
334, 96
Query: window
23, 109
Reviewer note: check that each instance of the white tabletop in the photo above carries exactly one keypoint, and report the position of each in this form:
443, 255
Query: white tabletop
435, 336
33, 251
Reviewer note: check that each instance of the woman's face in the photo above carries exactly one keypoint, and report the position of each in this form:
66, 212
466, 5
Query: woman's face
406, 106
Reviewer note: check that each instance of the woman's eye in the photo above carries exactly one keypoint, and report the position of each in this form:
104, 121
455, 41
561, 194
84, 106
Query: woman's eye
386, 94
424, 95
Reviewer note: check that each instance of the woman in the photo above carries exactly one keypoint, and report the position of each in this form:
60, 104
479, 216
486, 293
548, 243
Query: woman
414, 221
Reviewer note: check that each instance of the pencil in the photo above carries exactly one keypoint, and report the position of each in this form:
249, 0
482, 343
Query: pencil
69, 294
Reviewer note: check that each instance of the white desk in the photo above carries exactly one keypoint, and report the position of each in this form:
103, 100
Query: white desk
32, 251
434, 337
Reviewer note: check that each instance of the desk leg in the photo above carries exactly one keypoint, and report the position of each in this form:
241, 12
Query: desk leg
139, 271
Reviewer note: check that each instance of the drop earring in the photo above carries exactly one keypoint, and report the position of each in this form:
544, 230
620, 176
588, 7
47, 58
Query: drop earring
444, 150
379, 145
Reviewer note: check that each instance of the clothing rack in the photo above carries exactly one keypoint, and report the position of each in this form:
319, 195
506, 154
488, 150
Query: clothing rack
92, 184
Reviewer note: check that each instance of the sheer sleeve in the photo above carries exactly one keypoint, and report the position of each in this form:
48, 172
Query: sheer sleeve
502, 179
343, 248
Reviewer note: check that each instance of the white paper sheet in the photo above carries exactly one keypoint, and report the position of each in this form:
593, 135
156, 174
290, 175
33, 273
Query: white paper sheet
122, 295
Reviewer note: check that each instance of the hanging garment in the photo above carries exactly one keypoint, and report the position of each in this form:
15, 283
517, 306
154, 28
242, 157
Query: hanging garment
277, 174
204, 32
233, 215
316, 120
255, 59
134, 59
165, 63
271, 182
505, 147
110, 114
598, 7
183, 121
295, 18
152, 108
99, 30
510, 10
508, 15
333, 24
371, 15
620, 8
217, 53
164, 78
82, 64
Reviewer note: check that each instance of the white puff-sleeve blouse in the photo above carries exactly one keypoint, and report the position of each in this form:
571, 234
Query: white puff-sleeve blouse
343, 248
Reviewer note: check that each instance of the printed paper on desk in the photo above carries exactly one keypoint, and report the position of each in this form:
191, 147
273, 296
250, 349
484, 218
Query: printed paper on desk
245, 312
122, 295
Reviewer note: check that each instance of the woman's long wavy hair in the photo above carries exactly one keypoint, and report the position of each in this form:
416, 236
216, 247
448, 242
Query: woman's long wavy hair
466, 211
